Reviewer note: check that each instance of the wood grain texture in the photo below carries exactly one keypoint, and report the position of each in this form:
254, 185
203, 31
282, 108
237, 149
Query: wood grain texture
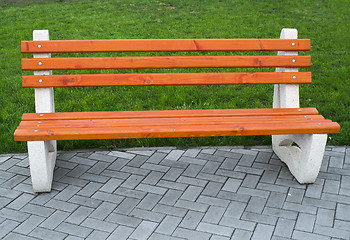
146, 45
168, 114
238, 129
152, 79
164, 62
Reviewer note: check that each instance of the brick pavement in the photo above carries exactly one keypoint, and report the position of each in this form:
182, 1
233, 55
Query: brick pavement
205, 193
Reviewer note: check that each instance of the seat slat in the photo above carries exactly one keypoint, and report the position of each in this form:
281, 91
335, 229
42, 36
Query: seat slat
241, 129
152, 79
164, 62
169, 121
145, 45
168, 114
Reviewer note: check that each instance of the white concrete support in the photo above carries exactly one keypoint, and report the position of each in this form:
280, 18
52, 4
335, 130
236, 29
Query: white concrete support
303, 153
42, 154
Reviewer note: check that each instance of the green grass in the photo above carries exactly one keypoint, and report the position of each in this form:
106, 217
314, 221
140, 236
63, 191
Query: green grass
326, 23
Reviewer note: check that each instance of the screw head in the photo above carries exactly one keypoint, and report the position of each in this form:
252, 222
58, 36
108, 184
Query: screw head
293, 60
40, 80
293, 44
40, 63
39, 46
39, 122
41, 115
294, 77
35, 130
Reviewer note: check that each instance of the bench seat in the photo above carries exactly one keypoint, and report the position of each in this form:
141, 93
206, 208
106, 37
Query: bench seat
171, 123
299, 135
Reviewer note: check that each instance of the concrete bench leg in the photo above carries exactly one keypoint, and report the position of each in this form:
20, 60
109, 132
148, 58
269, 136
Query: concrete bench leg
304, 158
42, 159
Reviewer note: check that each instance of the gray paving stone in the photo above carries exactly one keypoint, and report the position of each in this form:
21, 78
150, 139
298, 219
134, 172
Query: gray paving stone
280, 213
170, 210
192, 170
67, 193
16, 236
214, 214
85, 201
97, 235
118, 164
336, 162
241, 235
342, 212
151, 189
142, 152
284, 228
137, 171
99, 225
144, 230
83, 161
98, 168
192, 181
174, 155
232, 185
249, 170
269, 176
127, 205
168, 225
256, 205
13, 214
262, 231
345, 181
173, 174
235, 209
21, 201
212, 189
37, 210
29, 225
191, 220
79, 215
7, 226
299, 208
107, 197
209, 157
339, 224
250, 181
155, 167
54, 220
230, 173
215, 229
121, 233
319, 203
156, 158
172, 185
102, 157
259, 218
191, 193
131, 193
191, 234
305, 222
276, 200
122, 154
331, 186
325, 217
61, 205
190, 160
123, 220
75, 230
171, 197
229, 164
211, 177
103, 210
191, 152
310, 236
153, 177
195, 206
253, 192
149, 201
147, 215
137, 161
211, 167
43, 233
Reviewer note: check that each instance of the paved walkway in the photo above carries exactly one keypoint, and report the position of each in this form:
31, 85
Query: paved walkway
207, 193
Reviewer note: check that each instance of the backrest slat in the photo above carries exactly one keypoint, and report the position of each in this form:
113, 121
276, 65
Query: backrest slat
152, 79
154, 45
165, 62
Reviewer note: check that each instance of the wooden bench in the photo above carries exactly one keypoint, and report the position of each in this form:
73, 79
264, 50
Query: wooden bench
286, 122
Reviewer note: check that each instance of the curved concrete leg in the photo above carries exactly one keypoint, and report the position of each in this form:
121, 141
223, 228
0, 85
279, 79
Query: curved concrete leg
304, 160
42, 159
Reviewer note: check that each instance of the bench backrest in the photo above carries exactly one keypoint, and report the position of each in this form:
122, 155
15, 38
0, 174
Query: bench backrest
166, 45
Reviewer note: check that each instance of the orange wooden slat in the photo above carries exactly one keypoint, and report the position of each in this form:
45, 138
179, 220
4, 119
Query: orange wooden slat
145, 45
168, 121
244, 129
164, 62
152, 79
168, 114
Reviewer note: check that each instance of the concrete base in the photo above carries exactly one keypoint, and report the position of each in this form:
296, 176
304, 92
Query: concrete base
304, 160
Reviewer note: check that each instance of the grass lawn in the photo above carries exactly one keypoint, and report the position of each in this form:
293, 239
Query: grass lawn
326, 23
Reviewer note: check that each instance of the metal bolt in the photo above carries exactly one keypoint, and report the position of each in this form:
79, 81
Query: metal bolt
39, 46
41, 115
40, 63
294, 77
293, 44
299, 110
35, 130
38, 125
304, 116
39, 122
40, 80
319, 123
292, 61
